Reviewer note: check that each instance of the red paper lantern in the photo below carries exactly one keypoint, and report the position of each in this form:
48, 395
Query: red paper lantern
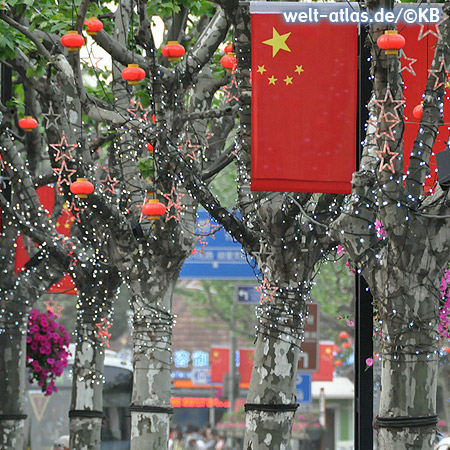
391, 42
153, 209
154, 118
28, 123
93, 26
338, 363
229, 62
418, 111
446, 350
343, 335
228, 49
72, 41
173, 51
133, 74
82, 188
150, 147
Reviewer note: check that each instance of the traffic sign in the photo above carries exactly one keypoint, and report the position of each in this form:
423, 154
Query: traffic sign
308, 359
304, 394
217, 256
200, 376
247, 295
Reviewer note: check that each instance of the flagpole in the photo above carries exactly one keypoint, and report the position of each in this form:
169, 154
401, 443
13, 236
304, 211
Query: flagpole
363, 438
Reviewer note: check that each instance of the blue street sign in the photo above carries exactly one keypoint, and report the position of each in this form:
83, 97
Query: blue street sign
200, 376
216, 256
247, 295
304, 394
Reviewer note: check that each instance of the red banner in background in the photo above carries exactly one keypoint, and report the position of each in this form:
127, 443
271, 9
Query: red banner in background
326, 363
220, 362
304, 105
46, 196
416, 57
246, 357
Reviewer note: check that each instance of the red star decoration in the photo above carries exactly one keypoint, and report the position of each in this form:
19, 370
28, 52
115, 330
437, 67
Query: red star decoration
201, 248
91, 58
75, 211
205, 229
267, 292
391, 118
231, 89
409, 65
64, 174
1, 162
103, 334
384, 155
108, 184
63, 150
176, 205
437, 74
437, 33
54, 307
138, 112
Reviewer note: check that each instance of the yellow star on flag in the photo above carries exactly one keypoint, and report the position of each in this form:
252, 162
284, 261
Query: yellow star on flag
278, 42
272, 80
299, 69
288, 80
261, 69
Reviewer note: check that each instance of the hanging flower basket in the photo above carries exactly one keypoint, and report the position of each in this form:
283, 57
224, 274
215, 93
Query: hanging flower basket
47, 350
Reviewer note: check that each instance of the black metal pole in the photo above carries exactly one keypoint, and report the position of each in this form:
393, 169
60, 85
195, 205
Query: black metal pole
363, 297
5, 95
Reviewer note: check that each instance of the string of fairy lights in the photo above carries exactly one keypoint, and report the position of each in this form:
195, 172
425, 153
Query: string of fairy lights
286, 309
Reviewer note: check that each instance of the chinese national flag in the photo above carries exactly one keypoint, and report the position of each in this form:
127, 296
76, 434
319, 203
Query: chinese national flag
220, 362
246, 357
415, 58
326, 363
46, 196
304, 105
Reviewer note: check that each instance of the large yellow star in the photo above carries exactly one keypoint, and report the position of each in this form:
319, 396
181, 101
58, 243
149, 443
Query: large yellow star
278, 42
272, 80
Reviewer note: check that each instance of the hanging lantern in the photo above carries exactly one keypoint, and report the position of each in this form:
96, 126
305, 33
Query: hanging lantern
391, 42
133, 74
150, 147
93, 26
82, 188
173, 51
153, 209
229, 62
72, 41
154, 118
228, 49
418, 111
28, 123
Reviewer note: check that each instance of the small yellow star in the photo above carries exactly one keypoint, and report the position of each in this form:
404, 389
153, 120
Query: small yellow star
277, 42
67, 225
288, 80
272, 80
299, 69
57, 224
261, 69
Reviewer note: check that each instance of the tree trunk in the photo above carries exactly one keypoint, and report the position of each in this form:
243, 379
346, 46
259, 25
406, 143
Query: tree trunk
86, 410
12, 376
409, 357
152, 351
271, 399
95, 301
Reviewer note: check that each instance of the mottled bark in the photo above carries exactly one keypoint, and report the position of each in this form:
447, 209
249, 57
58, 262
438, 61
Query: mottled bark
152, 351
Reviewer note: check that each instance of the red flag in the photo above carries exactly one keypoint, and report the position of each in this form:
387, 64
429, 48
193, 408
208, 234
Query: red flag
304, 104
326, 363
220, 362
246, 357
46, 196
415, 58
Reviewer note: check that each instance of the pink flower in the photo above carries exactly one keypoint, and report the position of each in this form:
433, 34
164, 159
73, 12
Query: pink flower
51, 361
369, 362
350, 323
